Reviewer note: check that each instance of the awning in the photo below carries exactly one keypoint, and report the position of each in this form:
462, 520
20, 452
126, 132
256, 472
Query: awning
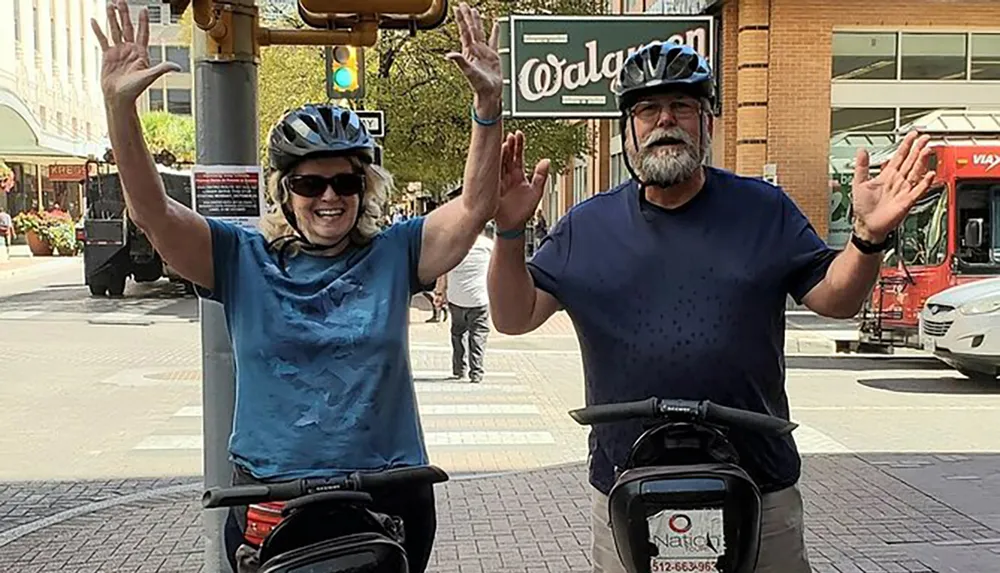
22, 139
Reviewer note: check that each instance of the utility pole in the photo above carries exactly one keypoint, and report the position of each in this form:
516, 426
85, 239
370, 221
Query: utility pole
226, 134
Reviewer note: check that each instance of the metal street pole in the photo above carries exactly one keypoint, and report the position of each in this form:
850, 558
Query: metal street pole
225, 105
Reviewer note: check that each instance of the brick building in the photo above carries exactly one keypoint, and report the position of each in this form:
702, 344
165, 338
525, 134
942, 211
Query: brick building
805, 82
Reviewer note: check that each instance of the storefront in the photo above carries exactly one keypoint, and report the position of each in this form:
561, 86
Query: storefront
805, 83
44, 187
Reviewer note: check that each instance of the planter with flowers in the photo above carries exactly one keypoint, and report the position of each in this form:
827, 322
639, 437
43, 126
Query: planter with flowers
46, 232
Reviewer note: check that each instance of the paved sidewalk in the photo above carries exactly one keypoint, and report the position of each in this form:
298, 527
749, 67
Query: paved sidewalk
865, 514
18, 266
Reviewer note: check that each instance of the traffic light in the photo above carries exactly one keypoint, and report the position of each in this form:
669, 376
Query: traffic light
345, 72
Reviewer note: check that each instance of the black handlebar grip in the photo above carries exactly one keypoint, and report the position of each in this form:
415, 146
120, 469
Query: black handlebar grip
235, 495
754, 421
603, 413
400, 477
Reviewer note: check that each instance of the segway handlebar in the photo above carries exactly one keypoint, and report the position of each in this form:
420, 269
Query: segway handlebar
683, 410
397, 478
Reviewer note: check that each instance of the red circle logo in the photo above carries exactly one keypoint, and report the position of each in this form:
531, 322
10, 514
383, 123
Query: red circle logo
679, 523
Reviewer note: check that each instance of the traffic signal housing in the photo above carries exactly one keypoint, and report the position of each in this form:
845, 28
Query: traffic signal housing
345, 72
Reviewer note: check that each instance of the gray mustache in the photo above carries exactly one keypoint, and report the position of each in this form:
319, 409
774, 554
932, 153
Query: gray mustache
668, 136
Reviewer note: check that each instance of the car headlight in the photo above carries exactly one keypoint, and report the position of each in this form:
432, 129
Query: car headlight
981, 306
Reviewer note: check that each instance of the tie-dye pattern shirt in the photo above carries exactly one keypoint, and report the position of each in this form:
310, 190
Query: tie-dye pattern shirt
323, 380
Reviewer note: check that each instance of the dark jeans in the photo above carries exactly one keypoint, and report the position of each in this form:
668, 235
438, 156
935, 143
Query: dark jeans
474, 322
415, 507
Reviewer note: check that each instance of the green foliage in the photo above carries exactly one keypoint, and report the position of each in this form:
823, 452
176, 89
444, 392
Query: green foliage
425, 97
289, 77
56, 230
171, 132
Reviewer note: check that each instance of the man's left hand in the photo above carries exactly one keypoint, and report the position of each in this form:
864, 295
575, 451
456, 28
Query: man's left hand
881, 204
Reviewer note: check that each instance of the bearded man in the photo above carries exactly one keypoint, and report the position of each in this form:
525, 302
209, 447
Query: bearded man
676, 280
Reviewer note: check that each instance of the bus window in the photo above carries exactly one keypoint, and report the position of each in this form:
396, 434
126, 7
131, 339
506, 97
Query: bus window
923, 235
975, 199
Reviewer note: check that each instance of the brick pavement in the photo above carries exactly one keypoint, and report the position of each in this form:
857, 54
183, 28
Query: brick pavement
862, 514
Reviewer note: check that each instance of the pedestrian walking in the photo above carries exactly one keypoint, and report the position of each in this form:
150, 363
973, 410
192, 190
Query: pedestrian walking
464, 290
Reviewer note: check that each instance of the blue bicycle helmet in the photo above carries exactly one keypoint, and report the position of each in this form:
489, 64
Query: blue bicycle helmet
659, 66
321, 129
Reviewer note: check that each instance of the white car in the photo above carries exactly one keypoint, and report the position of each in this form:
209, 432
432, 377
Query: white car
961, 326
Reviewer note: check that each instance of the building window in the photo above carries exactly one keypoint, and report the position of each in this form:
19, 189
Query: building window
179, 101
17, 21
180, 55
174, 18
36, 41
579, 180
862, 120
933, 56
155, 14
864, 56
155, 55
985, 57
155, 99
52, 33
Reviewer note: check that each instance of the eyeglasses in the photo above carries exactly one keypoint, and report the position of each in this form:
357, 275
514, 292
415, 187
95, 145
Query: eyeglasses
649, 111
312, 186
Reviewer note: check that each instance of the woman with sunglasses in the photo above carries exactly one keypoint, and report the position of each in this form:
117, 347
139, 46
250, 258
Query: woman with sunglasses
317, 303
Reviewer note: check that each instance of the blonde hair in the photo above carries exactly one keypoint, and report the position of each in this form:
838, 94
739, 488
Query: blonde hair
378, 185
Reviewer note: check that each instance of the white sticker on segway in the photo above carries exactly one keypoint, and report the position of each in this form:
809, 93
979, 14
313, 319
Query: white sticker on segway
691, 534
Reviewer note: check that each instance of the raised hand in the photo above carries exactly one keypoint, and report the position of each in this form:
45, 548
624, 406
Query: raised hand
519, 197
125, 70
881, 204
478, 60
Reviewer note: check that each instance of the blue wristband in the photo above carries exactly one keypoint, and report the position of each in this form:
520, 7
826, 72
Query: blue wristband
483, 122
511, 234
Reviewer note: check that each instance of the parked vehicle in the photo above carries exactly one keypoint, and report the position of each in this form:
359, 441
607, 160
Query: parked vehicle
950, 238
961, 326
682, 502
114, 249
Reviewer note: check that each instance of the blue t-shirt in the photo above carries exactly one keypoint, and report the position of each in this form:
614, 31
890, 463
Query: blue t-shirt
685, 303
323, 380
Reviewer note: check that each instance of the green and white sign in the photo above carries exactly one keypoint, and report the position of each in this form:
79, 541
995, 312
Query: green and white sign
562, 66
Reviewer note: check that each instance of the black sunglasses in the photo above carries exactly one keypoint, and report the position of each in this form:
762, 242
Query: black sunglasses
343, 184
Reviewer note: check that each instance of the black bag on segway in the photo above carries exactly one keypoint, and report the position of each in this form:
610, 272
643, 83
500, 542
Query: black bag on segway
683, 504
334, 537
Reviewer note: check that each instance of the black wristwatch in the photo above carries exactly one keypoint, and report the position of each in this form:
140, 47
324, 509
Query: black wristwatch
870, 248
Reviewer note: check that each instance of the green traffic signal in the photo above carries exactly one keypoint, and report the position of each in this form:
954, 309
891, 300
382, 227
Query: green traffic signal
343, 78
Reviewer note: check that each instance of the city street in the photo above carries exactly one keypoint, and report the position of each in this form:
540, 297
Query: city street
101, 433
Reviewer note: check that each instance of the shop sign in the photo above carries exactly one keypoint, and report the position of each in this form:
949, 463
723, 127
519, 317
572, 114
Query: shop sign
75, 173
562, 66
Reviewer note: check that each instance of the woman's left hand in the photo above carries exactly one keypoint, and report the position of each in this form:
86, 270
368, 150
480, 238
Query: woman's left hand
478, 60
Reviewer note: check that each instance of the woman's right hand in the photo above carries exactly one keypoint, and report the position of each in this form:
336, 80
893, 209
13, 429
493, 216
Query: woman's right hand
519, 197
125, 71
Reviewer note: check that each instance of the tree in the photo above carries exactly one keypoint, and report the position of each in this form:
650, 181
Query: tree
170, 132
425, 97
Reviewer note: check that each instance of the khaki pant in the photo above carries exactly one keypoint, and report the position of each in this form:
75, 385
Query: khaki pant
782, 548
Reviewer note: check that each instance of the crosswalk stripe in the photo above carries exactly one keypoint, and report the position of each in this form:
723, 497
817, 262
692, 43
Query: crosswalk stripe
170, 443
445, 374
487, 438
445, 387
477, 409
19, 314
433, 439
425, 410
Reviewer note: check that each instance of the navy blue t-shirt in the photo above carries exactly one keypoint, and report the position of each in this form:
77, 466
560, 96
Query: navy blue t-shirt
685, 303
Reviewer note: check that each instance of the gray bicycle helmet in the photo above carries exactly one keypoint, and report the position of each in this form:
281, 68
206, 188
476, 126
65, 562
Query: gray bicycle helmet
659, 66
318, 129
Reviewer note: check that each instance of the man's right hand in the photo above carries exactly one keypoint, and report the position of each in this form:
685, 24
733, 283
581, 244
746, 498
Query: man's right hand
125, 71
519, 197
